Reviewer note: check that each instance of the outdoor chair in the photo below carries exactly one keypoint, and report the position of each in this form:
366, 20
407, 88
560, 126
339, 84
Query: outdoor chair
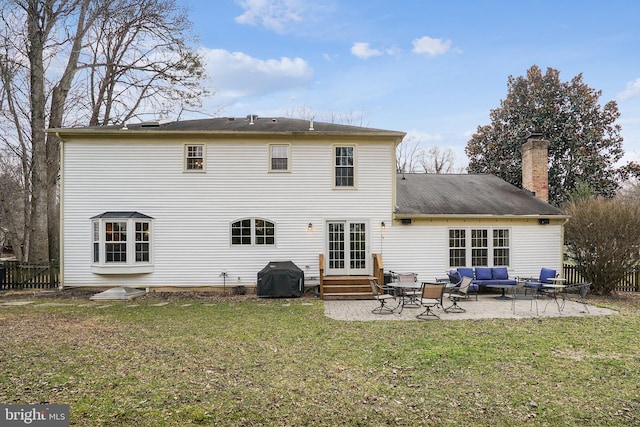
382, 297
538, 284
455, 280
456, 294
581, 290
431, 297
411, 295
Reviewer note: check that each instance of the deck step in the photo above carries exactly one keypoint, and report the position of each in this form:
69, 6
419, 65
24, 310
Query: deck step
346, 287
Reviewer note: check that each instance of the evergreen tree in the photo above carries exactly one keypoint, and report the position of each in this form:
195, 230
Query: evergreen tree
584, 139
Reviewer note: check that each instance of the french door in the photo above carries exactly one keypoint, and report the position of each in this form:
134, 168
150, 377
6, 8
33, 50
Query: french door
347, 248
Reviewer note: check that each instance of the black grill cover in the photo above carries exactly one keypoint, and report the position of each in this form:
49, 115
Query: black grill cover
280, 279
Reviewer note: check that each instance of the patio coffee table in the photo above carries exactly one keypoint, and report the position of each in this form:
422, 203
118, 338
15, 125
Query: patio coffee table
503, 287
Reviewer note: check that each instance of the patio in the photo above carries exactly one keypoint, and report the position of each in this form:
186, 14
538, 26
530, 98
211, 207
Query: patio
487, 307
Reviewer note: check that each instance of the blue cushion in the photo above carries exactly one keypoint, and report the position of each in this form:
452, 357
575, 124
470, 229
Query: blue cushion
500, 273
546, 274
536, 285
454, 276
465, 272
483, 273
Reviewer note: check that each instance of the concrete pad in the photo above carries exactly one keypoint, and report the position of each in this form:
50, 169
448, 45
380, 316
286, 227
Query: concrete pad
119, 293
487, 307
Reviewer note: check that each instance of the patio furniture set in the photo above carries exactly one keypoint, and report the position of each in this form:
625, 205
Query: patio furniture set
405, 291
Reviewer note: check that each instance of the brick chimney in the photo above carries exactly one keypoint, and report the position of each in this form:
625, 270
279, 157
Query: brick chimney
535, 169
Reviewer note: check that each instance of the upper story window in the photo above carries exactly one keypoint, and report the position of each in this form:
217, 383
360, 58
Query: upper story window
344, 166
194, 158
253, 231
121, 243
473, 247
279, 155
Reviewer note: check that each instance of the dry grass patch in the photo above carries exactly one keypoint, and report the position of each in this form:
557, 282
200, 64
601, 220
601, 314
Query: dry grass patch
276, 362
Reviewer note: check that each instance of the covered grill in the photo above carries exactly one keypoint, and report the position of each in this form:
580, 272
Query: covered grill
280, 279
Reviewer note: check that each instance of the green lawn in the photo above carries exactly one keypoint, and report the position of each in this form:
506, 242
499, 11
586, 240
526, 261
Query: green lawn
283, 363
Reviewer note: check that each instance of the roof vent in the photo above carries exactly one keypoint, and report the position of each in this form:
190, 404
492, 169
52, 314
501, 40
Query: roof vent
274, 120
311, 124
155, 123
252, 118
231, 119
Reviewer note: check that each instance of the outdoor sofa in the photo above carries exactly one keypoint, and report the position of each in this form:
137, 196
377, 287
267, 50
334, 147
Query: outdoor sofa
483, 276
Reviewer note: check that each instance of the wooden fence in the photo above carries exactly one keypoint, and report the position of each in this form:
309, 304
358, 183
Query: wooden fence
15, 275
630, 283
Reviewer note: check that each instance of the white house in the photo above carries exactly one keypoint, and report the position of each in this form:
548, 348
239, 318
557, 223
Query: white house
180, 203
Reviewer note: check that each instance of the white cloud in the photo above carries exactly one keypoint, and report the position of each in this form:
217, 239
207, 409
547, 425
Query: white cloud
632, 90
274, 15
364, 51
236, 74
431, 46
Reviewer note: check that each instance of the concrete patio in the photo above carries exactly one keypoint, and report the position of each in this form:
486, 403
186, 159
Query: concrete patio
486, 307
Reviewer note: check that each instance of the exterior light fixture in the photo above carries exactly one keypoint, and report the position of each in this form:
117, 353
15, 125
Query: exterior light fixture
310, 227
383, 225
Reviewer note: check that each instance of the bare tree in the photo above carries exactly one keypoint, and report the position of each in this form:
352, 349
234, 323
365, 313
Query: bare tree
630, 191
438, 160
68, 62
408, 155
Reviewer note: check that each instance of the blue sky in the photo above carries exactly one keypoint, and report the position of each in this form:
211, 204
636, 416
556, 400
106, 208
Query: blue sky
433, 69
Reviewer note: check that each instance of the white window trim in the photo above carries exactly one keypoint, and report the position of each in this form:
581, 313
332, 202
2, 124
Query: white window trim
288, 169
130, 266
355, 167
469, 248
184, 157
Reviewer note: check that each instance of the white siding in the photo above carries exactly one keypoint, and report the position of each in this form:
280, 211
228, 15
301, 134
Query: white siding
423, 248
193, 211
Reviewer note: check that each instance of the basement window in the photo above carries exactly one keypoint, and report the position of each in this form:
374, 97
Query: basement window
121, 243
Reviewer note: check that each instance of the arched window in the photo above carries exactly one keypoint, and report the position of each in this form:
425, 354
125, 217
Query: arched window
253, 231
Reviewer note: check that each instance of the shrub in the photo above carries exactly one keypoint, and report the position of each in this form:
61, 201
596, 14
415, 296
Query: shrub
603, 238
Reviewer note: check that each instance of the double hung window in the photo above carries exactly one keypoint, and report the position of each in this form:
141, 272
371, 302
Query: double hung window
279, 155
473, 247
344, 166
194, 155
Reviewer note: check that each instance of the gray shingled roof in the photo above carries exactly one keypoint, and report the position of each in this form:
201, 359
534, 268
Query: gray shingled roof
243, 124
447, 194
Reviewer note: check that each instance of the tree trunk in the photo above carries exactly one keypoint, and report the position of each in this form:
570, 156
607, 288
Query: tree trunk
58, 99
38, 242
